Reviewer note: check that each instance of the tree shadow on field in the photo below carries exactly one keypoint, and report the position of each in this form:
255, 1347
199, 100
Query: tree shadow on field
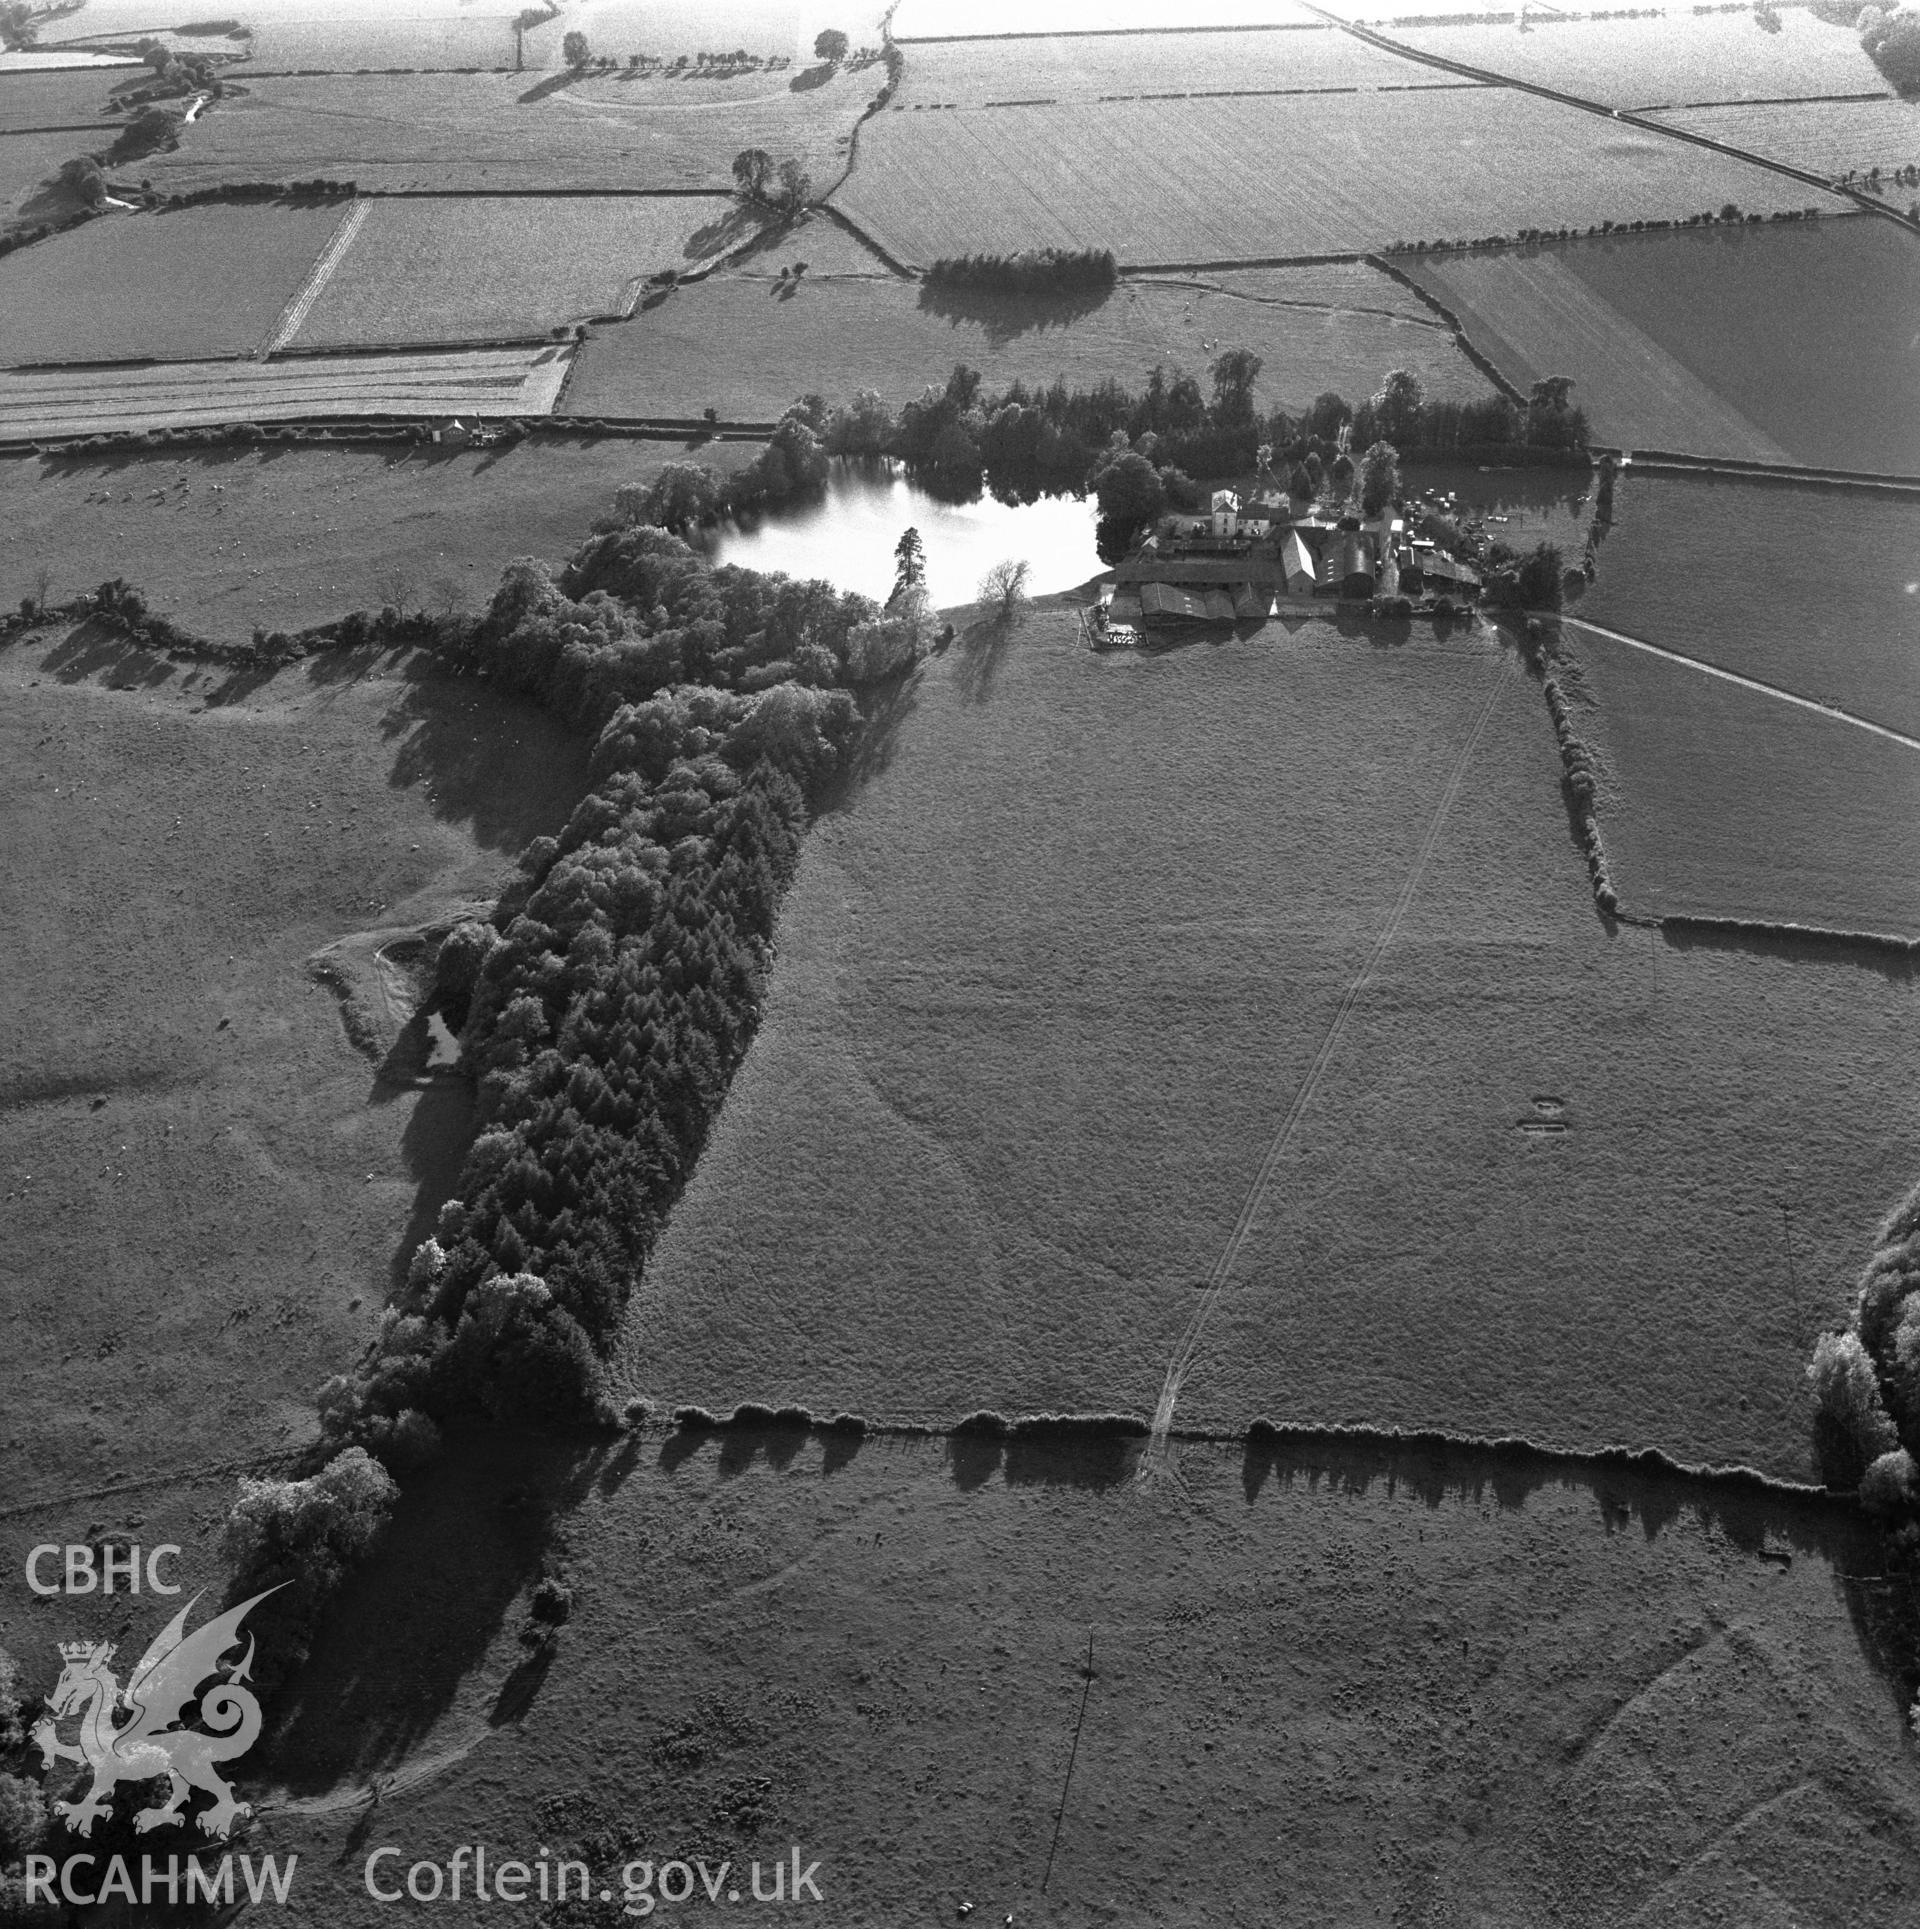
416, 1618
808, 78
978, 653
508, 771
553, 84
1796, 947
1005, 318
728, 231
886, 707
434, 1147
98, 649
1092, 1463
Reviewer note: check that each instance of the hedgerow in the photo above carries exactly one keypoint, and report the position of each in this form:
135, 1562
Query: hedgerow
1038, 271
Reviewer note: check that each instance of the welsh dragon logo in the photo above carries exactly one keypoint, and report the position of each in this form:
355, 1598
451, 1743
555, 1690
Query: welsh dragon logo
173, 1674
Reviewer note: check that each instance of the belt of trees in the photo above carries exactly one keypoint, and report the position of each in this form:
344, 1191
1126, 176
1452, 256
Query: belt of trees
1041, 271
607, 1002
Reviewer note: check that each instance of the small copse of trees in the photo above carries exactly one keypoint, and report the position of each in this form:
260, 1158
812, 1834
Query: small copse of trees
1038, 271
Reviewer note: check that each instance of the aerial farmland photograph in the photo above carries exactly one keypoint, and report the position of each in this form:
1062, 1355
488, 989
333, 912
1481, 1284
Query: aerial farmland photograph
960, 964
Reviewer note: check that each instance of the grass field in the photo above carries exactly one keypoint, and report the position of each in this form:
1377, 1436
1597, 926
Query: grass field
1050, 986
1535, 317
204, 1196
1339, 1690
839, 336
1695, 566
226, 542
1727, 802
1313, 174
1672, 61
1083, 67
74, 99
190, 284
1806, 329
491, 131
410, 274
1824, 137
175, 395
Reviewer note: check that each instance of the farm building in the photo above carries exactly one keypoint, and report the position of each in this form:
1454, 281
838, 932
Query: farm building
1296, 561
1346, 565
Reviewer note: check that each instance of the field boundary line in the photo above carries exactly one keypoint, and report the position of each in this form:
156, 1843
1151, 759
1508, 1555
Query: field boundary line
1106, 33
1738, 469
293, 316
1828, 710
212, 1470
1282, 1139
1462, 340
1624, 116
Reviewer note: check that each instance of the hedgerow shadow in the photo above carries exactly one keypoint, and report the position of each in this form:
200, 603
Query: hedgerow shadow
1005, 318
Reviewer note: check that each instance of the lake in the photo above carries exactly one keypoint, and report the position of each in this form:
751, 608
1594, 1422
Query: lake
849, 538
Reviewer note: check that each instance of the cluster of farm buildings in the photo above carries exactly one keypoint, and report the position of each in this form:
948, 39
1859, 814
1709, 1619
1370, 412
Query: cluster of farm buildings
1236, 563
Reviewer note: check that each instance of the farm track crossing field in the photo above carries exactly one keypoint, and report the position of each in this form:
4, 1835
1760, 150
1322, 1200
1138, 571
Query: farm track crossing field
1059, 972
1534, 317
1697, 565
476, 132
1081, 67
477, 381
1321, 1648
203, 1201
1312, 174
1830, 137
78, 99
733, 343
1673, 61
1806, 328
192, 282
1725, 802
487, 268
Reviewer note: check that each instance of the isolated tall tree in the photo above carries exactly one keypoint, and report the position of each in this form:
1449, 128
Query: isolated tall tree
909, 561
752, 170
795, 189
1234, 374
831, 46
82, 176
1396, 409
159, 57
1003, 591
1379, 478
575, 51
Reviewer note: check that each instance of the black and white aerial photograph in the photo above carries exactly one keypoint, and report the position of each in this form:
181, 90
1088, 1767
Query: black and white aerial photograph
959, 964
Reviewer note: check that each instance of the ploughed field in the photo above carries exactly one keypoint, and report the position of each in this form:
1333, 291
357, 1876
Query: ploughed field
1083, 955
1825, 137
205, 1187
1310, 174
191, 282
1672, 61
1787, 343
1092, 67
481, 132
1336, 1687
747, 342
172, 395
410, 273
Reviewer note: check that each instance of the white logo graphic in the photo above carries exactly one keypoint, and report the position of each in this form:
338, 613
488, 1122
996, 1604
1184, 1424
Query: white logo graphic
170, 1677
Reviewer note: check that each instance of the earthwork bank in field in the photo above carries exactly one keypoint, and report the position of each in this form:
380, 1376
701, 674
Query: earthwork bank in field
476, 132
1673, 61
1326, 1688
1059, 973
1311, 174
204, 1195
1790, 342
172, 395
488, 268
192, 282
748, 343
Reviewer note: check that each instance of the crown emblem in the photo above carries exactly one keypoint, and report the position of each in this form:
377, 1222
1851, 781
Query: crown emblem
83, 1651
